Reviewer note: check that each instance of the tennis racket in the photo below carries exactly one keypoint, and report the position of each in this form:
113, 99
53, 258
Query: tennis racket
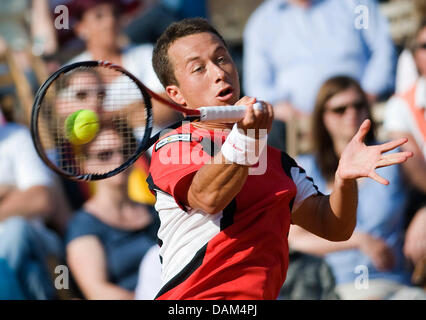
124, 108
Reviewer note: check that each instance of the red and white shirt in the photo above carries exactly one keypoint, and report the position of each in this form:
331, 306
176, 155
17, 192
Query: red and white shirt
238, 253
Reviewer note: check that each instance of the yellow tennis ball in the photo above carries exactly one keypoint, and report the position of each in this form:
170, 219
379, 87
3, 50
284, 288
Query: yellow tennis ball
81, 126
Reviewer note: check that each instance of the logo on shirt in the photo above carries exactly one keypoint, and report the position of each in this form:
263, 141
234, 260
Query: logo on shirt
173, 138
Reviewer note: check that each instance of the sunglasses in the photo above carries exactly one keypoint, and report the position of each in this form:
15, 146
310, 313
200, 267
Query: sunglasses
106, 155
340, 110
421, 46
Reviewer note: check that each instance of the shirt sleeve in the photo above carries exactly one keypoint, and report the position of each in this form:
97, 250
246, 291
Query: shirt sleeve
28, 169
82, 224
406, 72
175, 161
149, 277
396, 116
305, 185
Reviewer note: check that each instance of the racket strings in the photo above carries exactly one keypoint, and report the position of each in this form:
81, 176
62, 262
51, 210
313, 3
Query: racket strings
116, 100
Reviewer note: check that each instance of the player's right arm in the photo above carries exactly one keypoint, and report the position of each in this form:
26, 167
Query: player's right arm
217, 183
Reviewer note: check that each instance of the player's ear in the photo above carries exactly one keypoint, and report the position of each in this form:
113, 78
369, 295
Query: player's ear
175, 94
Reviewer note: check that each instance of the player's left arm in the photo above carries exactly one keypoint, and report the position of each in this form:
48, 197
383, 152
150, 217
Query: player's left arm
333, 217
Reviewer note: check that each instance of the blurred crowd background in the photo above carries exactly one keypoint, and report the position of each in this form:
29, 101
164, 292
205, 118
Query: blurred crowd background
325, 65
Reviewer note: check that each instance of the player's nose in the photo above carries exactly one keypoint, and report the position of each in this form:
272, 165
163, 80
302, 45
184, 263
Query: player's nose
218, 73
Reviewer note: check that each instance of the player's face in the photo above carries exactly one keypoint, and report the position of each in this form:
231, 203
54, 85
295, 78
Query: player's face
205, 71
420, 52
344, 113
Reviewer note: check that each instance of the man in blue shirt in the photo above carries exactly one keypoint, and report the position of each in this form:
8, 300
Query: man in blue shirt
292, 46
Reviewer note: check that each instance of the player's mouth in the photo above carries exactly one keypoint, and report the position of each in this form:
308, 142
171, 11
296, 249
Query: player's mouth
225, 94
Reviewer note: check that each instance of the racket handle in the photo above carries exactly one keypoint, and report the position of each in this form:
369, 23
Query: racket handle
225, 113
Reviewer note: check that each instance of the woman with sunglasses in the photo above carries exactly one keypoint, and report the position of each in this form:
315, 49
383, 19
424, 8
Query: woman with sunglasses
370, 265
109, 236
406, 116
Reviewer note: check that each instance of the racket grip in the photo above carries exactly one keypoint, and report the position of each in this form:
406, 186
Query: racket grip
222, 113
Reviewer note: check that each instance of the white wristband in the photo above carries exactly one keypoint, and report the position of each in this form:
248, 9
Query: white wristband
240, 148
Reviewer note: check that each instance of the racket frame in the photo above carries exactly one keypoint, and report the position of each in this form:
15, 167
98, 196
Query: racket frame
35, 114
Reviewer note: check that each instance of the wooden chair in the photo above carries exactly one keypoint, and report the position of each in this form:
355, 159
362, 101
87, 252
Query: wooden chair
298, 136
19, 105
403, 19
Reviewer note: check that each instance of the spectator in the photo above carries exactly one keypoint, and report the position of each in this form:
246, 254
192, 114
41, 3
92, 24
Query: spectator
149, 278
405, 115
377, 241
292, 46
29, 196
154, 20
101, 17
406, 70
42, 29
81, 89
309, 277
109, 236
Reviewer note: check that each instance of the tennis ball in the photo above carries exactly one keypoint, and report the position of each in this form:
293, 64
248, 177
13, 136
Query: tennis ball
81, 126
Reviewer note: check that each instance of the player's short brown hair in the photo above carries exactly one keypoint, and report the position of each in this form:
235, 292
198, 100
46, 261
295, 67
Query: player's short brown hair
160, 59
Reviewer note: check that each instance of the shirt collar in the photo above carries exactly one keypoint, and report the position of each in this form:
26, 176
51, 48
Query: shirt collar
421, 93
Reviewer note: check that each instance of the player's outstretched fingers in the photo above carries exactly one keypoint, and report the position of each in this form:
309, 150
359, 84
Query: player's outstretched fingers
373, 175
394, 158
392, 144
363, 130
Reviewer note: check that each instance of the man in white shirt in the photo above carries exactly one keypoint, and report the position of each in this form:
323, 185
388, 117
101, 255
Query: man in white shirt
26, 198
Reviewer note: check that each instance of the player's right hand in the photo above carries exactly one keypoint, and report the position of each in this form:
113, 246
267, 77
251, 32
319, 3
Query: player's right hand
256, 118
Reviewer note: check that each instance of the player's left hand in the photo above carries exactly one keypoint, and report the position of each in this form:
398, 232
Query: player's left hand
359, 160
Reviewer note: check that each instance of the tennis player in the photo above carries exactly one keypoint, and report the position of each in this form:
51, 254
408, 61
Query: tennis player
223, 231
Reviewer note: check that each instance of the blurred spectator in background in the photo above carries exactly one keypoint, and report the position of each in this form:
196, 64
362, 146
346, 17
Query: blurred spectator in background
155, 19
376, 244
149, 277
109, 236
309, 277
405, 116
406, 71
98, 26
44, 40
292, 46
29, 197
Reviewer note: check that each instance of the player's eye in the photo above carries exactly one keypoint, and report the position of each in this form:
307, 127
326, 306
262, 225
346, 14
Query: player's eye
221, 59
198, 69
